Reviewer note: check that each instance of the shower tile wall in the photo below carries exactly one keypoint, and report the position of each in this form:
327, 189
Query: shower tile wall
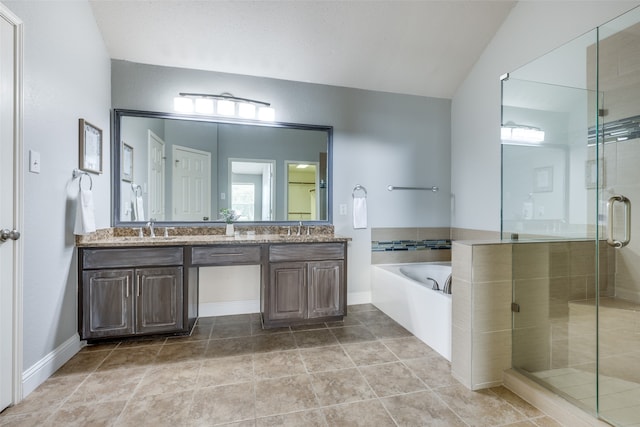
543, 278
547, 278
481, 335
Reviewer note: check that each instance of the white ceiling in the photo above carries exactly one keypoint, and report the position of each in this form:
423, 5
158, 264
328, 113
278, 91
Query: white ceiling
415, 47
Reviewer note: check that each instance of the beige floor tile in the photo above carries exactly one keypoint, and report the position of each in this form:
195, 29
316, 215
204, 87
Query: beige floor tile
283, 395
169, 379
346, 321
344, 386
424, 408
366, 414
275, 342
128, 358
29, 419
358, 308
168, 410
388, 330
314, 338
313, 418
351, 334
278, 364
108, 386
479, 408
225, 370
516, 401
369, 353
48, 396
546, 422
325, 359
223, 404
372, 317
434, 371
83, 363
88, 414
230, 347
232, 330
391, 379
180, 352
410, 348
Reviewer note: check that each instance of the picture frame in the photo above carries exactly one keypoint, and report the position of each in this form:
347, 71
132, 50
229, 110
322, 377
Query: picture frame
127, 162
543, 179
90, 138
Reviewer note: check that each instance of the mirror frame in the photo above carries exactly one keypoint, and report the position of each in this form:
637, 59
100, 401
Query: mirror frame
118, 113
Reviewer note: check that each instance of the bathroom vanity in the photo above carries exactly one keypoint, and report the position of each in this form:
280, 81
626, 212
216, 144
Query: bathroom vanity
133, 286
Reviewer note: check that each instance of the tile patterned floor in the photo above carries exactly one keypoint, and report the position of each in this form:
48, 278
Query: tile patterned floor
364, 371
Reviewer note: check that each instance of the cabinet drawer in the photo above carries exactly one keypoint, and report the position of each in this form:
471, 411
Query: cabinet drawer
225, 255
131, 257
306, 252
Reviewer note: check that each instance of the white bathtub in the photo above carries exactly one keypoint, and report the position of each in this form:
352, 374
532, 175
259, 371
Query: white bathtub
424, 312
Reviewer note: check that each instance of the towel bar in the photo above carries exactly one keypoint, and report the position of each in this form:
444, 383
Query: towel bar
77, 173
358, 187
393, 187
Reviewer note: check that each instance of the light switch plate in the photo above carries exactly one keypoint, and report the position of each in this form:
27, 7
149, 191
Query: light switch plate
34, 161
343, 209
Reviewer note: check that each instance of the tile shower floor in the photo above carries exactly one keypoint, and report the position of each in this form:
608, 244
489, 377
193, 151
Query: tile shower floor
365, 371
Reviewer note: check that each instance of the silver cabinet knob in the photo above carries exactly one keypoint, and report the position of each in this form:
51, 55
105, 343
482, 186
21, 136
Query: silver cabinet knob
6, 234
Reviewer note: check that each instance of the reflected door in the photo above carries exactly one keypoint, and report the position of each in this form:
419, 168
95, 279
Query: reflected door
191, 184
156, 178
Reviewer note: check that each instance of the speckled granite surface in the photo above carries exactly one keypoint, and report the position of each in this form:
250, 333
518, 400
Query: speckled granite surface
190, 236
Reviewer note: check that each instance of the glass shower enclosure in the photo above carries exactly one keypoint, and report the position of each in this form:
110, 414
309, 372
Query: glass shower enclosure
570, 175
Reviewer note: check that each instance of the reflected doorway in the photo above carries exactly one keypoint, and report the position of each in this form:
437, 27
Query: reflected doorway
302, 191
252, 188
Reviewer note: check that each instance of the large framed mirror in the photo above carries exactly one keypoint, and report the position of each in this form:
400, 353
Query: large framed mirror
184, 169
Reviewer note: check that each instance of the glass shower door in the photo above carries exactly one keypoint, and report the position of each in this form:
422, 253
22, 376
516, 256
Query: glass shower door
619, 193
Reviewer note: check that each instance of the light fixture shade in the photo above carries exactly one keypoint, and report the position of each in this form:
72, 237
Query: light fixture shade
266, 114
204, 105
246, 110
226, 107
182, 104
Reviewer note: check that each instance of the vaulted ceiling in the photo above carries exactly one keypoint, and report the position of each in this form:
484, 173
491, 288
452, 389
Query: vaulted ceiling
412, 47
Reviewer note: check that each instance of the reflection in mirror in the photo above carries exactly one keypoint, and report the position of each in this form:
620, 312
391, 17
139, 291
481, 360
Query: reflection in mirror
187, 168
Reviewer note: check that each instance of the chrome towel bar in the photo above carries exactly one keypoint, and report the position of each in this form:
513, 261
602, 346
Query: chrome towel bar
393, 187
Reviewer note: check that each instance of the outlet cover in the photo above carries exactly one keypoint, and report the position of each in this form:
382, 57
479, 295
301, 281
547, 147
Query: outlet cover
34, 161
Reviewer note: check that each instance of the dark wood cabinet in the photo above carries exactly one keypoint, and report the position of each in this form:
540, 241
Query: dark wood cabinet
306, 284
118, 302
108, 303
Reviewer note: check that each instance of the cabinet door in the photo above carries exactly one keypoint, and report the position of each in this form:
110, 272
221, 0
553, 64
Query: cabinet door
108, 303
287, 291
326, 287
159, 299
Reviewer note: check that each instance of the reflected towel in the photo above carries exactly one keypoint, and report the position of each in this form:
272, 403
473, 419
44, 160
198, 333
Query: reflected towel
138, 209
359, 212
85, 215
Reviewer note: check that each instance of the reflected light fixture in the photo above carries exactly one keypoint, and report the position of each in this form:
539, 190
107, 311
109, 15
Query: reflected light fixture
521, 133
224, 104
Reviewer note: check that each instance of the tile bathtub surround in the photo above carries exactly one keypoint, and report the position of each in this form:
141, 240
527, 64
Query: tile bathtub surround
410, 244
364, 371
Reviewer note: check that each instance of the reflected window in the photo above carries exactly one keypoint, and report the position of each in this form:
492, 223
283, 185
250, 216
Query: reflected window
244, 200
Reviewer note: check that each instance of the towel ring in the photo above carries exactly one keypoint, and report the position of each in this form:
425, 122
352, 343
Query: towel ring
79, 174
358, 187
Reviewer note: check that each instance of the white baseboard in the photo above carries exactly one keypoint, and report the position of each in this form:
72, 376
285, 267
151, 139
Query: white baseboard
228, 307
359, 298
45, 367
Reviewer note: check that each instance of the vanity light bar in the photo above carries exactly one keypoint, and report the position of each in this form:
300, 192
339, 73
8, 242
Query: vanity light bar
225, 105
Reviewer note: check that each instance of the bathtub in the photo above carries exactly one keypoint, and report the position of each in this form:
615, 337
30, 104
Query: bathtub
403, 293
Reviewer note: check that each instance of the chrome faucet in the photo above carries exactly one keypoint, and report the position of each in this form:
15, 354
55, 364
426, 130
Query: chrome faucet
299, 228
150, 224
435, 286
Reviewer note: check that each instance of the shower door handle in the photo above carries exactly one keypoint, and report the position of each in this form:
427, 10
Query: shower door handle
627, 221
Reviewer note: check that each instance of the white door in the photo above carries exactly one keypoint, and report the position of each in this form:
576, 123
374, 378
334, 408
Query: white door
191, 184
156, 177
10, 203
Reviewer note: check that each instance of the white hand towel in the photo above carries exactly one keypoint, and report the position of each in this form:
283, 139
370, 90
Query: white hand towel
138, 206
359, 212
85, 215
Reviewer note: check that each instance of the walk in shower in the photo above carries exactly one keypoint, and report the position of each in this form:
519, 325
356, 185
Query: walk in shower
570, 177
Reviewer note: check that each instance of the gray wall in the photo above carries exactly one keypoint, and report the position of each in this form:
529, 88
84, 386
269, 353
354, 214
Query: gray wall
379, 139
66, 77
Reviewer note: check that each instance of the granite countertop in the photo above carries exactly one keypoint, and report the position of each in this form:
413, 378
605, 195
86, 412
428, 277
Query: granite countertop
215, 239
